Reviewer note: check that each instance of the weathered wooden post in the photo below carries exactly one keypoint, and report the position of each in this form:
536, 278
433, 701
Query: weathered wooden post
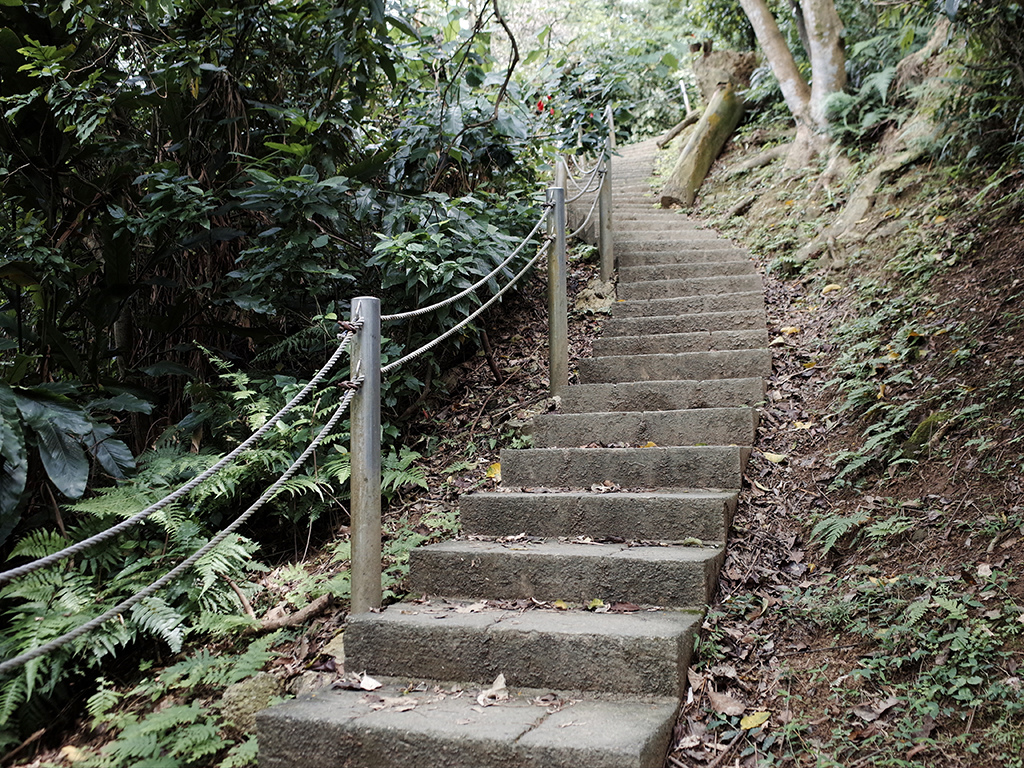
558, 310
365, 457
605, 244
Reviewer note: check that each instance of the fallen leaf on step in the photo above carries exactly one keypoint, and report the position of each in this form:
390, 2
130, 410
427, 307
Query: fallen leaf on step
396, 703
624, 608
494, 470
724, 704
754, 720
789, 330
830, 288
774, 458
474, 608
561, 605
367, 683
497, 692
649, 444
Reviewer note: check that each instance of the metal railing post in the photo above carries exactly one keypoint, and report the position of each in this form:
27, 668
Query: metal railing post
365, 457
605, 244
558, 310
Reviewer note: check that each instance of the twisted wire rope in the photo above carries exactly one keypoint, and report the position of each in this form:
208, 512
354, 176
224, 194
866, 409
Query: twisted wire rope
184, 565
431, 344
596, 176
588, 175
81, 546
579, 166
452, 299
590, 215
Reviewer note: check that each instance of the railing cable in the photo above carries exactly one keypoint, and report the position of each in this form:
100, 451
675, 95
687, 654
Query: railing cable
163, 581
431, 344
114, 530
590, 213
595, 176
452, 299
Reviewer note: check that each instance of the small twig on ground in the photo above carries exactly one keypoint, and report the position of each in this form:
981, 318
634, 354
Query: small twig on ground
490, 355
293, 619
33, 738
246, 605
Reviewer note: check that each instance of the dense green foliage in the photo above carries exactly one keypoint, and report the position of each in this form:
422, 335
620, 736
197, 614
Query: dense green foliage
193, 190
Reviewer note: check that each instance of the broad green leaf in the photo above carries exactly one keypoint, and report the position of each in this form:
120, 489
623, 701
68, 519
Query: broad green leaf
63, 459
113, 455
14, 472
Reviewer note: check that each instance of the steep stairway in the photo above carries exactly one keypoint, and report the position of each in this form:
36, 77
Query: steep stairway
622, 505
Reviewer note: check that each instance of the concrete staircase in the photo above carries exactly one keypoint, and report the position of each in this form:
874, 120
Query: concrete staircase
640, 529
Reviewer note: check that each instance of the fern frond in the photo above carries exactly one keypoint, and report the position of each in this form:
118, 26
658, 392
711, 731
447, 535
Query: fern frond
831, 529
155, 616
241, 755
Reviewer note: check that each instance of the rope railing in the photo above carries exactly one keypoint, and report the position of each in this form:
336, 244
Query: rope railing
593, 183
362, 334
590, 215
74, 549
184, 565
452, 299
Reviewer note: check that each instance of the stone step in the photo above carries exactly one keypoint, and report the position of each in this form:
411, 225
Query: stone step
709, 466
681, 271
674, 343
685, 304
668, 576
689, 286
360, 730
663, 239
736, 320
695, 426
645, 652
661, 516
731, 364
697, 252
629, 227
662, 395
657, 215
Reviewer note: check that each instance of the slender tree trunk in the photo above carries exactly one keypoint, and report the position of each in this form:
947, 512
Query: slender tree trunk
828, 58
795, 90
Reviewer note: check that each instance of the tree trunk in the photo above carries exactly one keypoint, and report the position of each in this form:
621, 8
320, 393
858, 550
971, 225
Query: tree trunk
795, 90
717, 124
828, 59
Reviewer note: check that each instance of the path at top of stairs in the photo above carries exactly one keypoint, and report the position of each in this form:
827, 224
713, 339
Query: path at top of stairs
623, 505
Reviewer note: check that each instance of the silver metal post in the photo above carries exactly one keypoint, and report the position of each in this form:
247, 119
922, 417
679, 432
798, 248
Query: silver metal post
558, 310
365, 456
561, 171
604, 204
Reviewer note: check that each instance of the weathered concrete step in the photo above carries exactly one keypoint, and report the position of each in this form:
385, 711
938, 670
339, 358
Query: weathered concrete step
633, 227
662, 395
697, 238
661, 516
710, 466
697, 252
689, 286
737, 320
670, 576
662, 239
695, 426
674, 343
681, 271
352, 729
732, 364
655, 215
646, 652
686, 304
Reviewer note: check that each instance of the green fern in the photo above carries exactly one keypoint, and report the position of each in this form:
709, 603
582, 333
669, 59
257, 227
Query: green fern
241, 755
830, 530
158, 618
